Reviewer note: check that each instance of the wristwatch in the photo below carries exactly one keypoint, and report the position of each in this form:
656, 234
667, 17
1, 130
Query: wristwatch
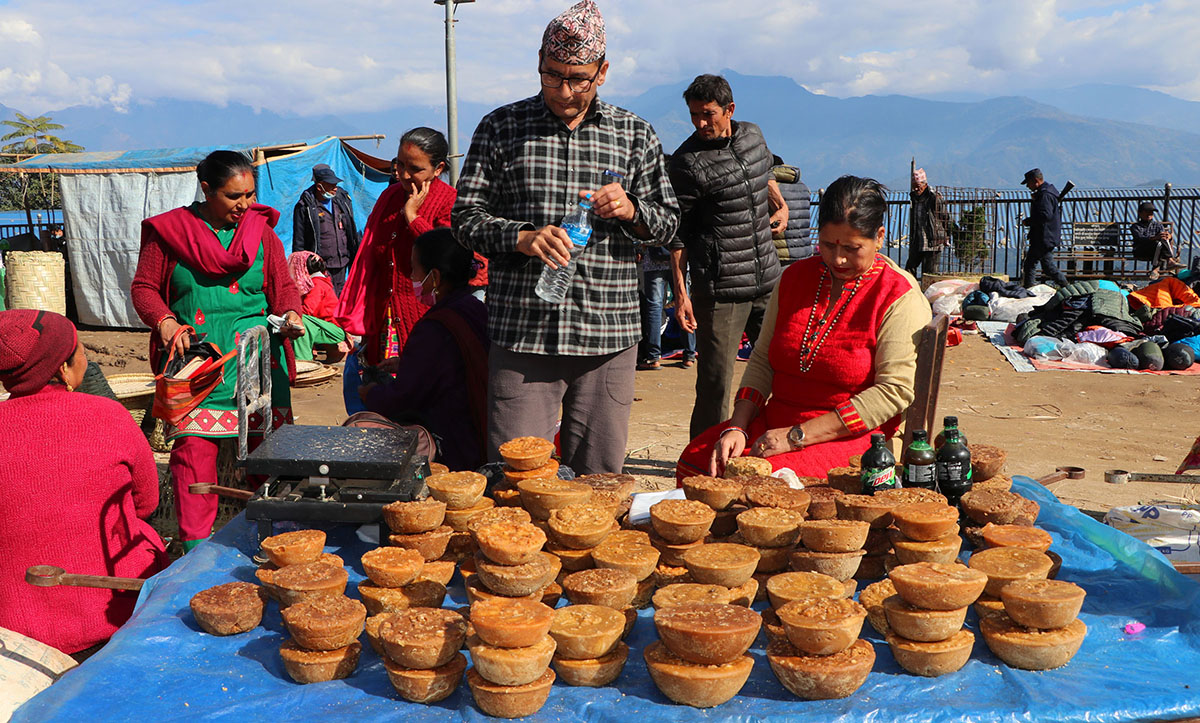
795, 437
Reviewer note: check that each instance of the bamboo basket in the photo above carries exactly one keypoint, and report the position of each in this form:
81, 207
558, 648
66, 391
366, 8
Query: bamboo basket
37, 280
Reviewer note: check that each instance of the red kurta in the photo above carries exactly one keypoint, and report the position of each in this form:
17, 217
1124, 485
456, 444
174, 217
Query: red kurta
78, 479
810, 379
379, 285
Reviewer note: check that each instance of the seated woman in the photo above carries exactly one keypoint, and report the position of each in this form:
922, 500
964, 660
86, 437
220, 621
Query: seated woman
77, 481
441, 375
836, 358
318, 303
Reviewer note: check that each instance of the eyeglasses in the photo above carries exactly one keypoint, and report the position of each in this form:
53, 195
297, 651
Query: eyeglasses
577, 85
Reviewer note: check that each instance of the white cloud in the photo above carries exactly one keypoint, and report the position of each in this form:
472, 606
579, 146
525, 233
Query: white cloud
313, 58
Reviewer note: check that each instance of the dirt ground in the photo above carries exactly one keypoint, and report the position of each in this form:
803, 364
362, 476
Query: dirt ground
1140, 423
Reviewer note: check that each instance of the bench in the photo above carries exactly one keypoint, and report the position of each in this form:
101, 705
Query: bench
1100, 250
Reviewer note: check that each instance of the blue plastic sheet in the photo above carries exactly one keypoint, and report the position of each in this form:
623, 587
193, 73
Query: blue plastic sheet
164, 668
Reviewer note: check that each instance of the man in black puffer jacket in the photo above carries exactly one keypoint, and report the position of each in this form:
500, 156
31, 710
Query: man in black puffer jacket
728, 201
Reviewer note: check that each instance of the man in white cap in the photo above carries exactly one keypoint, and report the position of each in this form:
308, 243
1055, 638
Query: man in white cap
927, 225
529, 164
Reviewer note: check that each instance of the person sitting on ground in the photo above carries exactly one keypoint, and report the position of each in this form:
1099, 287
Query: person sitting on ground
1152, 242
441, 376
837, 356
77, 483
318, 302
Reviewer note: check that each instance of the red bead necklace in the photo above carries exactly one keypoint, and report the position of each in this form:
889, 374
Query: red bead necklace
814, 338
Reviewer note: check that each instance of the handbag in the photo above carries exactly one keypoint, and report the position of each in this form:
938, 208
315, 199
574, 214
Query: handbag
187, 379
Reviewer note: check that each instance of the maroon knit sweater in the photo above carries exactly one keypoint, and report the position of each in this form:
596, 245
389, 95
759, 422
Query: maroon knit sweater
76, 481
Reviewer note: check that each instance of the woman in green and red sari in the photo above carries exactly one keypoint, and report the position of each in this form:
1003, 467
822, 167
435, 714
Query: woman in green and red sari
217, 266
836, 359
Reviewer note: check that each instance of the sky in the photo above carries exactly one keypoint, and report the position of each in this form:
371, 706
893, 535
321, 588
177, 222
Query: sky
312, 58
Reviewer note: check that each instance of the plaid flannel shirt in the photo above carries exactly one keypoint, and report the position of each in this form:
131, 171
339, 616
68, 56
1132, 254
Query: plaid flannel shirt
524, 171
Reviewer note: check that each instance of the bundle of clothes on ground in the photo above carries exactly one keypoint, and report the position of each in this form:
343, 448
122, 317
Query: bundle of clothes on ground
1093, 322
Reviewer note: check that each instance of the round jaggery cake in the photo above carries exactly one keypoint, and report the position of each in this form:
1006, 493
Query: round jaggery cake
682, 512
309, 576
546, 471
871, 598
820, 612
635, 537
497, 514
1029, 512
581, 525
846, 479
683, 593
325, 623
293, 548
707, 633
318, 666
637, 558
459, 490
416, 516
783, 497
392, 566
618, 483
585, 632
722, 563
1003, 565
868, 508
687, 683
788, 586
821, 677
510, 623
1031, 648
822, 502
525, 453
541, 496
422, 626
228, 609
770, 526
938, 585
932, 659
601, 586
510, 543
716, 492
904, 495
420, 593
925, 521
1030, 538
994, 506
748, 465
1000, 482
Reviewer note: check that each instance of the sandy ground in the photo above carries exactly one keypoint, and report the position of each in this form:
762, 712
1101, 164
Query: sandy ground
1140, 423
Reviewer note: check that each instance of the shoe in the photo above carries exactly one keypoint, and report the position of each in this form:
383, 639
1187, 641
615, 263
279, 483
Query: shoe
1154, 275
649, 365
688, 363
1174, 265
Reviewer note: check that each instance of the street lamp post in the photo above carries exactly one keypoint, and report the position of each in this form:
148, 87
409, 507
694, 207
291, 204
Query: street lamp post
451, 90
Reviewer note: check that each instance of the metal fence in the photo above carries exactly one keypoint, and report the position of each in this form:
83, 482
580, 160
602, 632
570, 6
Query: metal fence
995, 218
10, 231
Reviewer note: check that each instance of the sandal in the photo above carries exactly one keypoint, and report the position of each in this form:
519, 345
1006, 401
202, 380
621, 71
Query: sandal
688, 363
647, 366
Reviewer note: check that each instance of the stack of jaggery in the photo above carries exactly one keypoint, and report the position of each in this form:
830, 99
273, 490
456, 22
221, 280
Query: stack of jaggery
1040, 627
630, 551
786, 587
510, 654
462, 493
412, 572
767, 525
699, 659
510, 563
925, 617
985, 505
420, 651
820, 655
525, 458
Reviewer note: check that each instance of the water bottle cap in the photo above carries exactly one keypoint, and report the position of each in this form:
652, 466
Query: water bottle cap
587, 201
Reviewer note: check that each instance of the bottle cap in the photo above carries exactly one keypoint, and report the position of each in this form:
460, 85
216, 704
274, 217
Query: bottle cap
878, 439
951, 421
920, 434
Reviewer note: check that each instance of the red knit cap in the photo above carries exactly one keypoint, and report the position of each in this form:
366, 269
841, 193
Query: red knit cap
33, 345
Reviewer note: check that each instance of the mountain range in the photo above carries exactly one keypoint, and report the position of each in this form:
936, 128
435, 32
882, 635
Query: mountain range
1096, 135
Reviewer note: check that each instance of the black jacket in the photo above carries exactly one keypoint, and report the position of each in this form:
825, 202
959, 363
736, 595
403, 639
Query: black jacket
796, 242
724, 219
305, 224
1045, 218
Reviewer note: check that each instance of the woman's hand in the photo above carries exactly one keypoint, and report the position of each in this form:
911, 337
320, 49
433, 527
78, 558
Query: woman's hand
294, 327
415, 199
729, 445
772, 442
166, 329
391, 365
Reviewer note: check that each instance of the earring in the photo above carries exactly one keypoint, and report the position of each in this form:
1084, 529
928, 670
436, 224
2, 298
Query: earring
70, 388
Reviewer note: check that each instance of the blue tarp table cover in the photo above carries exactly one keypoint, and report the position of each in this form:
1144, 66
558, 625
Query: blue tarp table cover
161, 667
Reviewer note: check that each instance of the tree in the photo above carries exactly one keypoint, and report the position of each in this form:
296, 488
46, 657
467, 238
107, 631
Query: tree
32, 136
970, 237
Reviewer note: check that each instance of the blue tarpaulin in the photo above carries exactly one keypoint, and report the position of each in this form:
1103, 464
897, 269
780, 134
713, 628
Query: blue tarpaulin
163, 667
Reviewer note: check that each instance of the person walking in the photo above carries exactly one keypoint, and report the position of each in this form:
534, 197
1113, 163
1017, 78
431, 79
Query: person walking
1045, 227
529, 164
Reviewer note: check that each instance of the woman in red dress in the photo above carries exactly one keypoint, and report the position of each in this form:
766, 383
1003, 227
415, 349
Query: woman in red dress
377, 302
837, 356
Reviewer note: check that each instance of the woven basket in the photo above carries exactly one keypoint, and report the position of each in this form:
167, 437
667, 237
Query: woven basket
37, 280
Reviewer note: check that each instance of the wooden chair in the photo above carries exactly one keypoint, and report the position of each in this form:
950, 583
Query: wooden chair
931, 352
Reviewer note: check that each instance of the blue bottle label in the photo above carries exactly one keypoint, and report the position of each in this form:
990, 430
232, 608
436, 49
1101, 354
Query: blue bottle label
579, 234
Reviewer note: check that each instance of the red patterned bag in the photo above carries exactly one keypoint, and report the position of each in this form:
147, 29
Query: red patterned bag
175, 395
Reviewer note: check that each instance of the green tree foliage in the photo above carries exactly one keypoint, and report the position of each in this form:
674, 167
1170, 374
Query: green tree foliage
31, 136
969, 236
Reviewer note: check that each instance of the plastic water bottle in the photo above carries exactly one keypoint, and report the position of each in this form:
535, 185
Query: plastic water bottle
552, 285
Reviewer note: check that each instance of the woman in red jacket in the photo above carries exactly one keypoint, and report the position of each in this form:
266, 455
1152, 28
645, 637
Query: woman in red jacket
90, 455
218, 267
319, 302
377, 302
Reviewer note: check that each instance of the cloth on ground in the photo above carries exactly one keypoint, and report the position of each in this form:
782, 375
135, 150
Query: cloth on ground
1168, 292
1007, 289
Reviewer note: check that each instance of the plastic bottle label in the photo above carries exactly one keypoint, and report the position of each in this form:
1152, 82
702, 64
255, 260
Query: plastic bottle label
919, 475
952, 473
579, 234
879, 479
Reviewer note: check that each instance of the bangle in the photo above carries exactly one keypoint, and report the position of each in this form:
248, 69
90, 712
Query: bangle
732, 428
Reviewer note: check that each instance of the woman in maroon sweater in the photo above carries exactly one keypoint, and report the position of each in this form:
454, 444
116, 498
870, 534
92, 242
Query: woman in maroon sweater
76, 483
218, 267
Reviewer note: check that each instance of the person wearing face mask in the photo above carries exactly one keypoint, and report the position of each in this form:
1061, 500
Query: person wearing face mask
218, 267
441, 377
836, 359
378, 303
92, 454
323, 223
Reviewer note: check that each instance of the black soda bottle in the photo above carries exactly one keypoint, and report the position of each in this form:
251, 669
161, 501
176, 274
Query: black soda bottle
949, 422
920, 462
953, 467
878, 467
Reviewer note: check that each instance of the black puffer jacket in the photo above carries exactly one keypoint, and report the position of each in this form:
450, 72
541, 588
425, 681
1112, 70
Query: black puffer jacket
796, 242
725, 220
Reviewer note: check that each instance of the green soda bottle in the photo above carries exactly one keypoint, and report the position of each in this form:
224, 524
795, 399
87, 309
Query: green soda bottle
878, 467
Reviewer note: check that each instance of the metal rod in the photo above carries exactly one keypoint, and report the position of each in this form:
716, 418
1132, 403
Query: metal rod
451, 95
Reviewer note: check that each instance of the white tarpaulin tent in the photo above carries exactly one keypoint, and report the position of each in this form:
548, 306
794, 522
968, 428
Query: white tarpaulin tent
106, 196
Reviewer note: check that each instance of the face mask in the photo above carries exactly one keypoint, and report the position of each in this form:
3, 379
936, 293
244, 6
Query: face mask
425, 297
329, 196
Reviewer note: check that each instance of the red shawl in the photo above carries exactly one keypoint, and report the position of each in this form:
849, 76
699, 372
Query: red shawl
188, 239
379, 275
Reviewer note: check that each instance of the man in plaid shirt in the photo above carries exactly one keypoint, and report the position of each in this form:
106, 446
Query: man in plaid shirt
529, 164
